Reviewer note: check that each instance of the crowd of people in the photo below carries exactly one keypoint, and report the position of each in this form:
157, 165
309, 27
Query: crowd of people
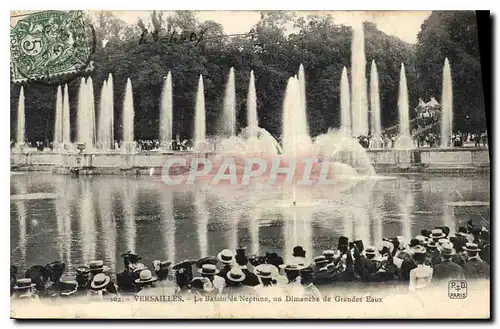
432, 257
387, 140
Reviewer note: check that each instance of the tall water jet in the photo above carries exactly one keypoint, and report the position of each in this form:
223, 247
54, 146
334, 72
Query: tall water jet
229, 110
303, 101
345, 104
57, 141
405, 140
91, 114
252, 118
66, 124
447, 106
20, 120
296, 140
199, 120
128, 119
359, 102
376, 127
166, 112
81, 122
103, 137
111, 110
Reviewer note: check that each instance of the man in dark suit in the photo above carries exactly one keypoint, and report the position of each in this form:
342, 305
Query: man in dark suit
447, 269
242, 260
475, 268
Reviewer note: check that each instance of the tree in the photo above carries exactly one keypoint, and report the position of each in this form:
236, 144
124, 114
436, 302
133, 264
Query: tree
452, 35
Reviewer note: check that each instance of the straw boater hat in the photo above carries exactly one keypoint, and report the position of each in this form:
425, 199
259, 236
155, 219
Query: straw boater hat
329, 253
370, 250
100, 281
320, 261
432, 244
226, 256
473, 247
24, 284
419, 250
98, 266
291, 267
161, 265
462, 231
447, 249
235, 275
146, 277
208, 269
206, 260
83, 270
139, 267
437, 233
201, 283
264, 271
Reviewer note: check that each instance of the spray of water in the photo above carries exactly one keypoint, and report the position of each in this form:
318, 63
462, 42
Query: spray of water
20, 118
200, 123
345, 104
229, 111
447, 106
166, 112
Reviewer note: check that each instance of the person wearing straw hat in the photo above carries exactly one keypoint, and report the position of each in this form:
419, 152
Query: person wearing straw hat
125, 279
475, 268
39, 275
307, 283
97, 266
447, 269
235, 285
146, 282
420, 276
83, 278
226, 257
24, 289
183, 274
241, 259
211, 272
164, 284
437, 234
201, 287
292, 273
98, 285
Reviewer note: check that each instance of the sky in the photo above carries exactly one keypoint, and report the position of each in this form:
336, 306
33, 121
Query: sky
402, 24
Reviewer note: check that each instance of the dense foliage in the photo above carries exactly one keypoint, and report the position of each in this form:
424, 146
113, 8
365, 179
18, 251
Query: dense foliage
323, 46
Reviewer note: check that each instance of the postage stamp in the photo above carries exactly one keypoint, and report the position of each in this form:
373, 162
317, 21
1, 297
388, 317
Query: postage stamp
50, 43
249, 165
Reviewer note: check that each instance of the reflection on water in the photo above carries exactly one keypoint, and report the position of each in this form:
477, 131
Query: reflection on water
101, 217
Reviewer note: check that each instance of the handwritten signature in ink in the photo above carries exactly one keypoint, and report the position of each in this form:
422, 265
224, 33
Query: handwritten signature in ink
175, 37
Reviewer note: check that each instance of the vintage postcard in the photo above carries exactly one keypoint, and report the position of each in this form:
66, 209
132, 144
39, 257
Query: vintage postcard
248, 164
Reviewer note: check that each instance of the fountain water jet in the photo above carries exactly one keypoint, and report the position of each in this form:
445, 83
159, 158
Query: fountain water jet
229, 111
128, 119
376, 127
359, 103
200, 142
20, 120
91, 114
296, 140
303, 101
58, 129
66, 124
252, 118
447, 106
405, 140
103, 130
111, 110
166, 113
345, 104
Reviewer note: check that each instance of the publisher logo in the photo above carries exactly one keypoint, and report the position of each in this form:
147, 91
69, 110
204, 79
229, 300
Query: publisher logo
457, 289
